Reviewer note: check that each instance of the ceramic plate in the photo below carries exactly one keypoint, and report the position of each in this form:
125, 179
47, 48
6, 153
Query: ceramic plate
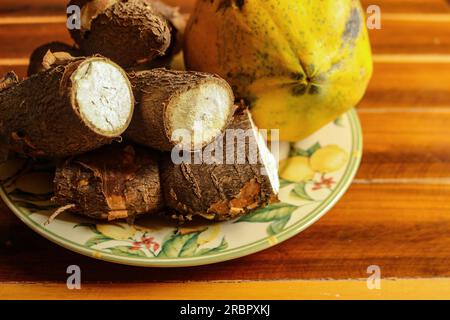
315, 173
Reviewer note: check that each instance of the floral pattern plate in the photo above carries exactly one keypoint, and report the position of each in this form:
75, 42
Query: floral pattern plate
314, 175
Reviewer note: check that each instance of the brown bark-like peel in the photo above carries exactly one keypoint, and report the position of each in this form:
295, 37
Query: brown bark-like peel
37, 57
114, 182
40, 116
128, 32
217, 191
8, 80
155, 92
177, 22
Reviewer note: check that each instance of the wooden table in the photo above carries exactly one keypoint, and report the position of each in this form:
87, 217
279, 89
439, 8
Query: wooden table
396, 214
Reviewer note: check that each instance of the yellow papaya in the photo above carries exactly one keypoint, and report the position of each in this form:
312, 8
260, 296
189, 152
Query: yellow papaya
299, 64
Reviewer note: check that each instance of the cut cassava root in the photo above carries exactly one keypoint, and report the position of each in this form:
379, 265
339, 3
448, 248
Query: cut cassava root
128, 32
222, 191
67, 110
179, 107
114, 182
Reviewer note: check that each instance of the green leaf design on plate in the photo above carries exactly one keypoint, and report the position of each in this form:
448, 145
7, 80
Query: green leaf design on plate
304, 153
178, 244
299, 191
97, 240
186, 245
91, 226
339, 122
314, 148
190, 247
222, 246
127, 251
278, 225
273, 212
284, 183
298, 152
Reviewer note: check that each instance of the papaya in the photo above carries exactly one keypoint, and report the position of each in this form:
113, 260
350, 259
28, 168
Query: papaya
299, 64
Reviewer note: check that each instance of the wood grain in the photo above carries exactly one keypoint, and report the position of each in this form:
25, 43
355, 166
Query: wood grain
57, 7
405, 145
413, 86
21, 8
409, 6
401, 228
410, 36
395, 215
259, 290
395, 37
417, 87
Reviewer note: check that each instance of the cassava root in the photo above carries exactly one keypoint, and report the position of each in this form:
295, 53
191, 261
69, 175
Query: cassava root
66, 110
128, 32
221, 191
179, 108
114, 182
177, 22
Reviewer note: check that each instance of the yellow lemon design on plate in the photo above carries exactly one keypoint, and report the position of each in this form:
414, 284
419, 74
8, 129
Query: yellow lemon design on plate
296, 169
117, 231
209, 235
328, 159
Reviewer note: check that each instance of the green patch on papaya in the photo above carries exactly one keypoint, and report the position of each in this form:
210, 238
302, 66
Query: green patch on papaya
300, 89
240, 4
352, 27
297, 76
313, 90
226, 4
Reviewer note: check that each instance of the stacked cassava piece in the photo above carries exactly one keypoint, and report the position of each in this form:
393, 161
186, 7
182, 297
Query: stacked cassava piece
78, 103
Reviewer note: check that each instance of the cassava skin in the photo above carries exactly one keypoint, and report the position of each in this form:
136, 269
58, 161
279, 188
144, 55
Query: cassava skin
114, 182
217, 191
177, 22
8, 80
42, 116
156, 92
128, 32
38, 54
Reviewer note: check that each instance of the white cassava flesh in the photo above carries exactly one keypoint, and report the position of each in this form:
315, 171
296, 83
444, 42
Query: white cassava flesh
202, 111
268, 159
103, 96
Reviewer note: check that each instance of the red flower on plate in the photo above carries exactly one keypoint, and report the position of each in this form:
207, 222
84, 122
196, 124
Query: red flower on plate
324, 183
146, 242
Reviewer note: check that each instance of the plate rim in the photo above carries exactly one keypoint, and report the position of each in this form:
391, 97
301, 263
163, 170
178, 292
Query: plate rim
235, 253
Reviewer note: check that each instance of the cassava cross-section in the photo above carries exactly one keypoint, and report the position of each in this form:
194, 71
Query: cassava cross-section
66, 110
179, 108
237, 175
114, 182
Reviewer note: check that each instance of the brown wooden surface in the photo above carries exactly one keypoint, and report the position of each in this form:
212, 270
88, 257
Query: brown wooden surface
395, 215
